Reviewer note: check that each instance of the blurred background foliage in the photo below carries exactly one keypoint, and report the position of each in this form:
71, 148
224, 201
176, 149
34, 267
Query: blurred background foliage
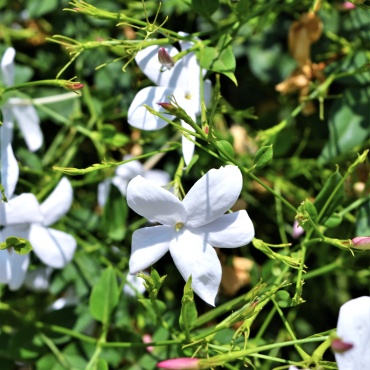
83, 131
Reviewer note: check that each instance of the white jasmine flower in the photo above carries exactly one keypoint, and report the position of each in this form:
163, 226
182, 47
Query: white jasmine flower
9, 165
21, 109
182, 82
124, 174
190, 228
354, 328
23, 217
38, 280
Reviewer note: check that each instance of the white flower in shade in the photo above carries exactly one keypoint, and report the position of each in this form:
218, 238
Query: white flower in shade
182, 82
190, 228
353, 329
134, 285
124, 174
9, 165
23, 217
21, 109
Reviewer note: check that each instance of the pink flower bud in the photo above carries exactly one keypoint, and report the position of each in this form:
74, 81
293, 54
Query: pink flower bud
183, 363
73, 85
338, 346
165, 59
169, 107
297, 230
361, 242
147, 338
347, 5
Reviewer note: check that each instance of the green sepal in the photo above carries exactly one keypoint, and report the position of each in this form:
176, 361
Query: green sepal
20, 245
263, 156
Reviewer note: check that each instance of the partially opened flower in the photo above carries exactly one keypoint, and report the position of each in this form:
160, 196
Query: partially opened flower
182, 82
353, 329
21, 109
190, 228
23, 217
124, 174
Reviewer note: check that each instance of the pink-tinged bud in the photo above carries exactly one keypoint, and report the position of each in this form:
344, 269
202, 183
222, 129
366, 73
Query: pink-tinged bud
361, 242
165, 59
338, 346
347, 5
206, 129
169, 107
297, 230
73, 85
183, 363
147, 338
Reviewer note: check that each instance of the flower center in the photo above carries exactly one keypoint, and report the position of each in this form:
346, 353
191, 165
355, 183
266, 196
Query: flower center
188, 96
179, 226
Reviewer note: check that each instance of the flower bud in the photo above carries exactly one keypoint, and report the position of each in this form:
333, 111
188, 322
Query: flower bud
182, 363
361, 242
169, 107
338, 346
165, 59
73, 85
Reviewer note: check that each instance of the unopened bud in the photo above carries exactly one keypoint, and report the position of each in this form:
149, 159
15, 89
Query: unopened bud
183, 363
73, 85
147, 338
338, 346
165, 59
361, 242
169, 107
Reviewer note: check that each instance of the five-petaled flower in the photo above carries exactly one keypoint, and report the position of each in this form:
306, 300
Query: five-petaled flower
190, 228
353, 328
182, 81
24, 217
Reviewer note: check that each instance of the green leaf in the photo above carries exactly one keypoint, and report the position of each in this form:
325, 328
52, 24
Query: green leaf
349, 125
189, 312
363, 220
333, 221
330, 196
110, 136
205, 7
36, 8
104, 296
221, 58
283, 299
226, 150
101, 364
114, 216
263, 156
20, 245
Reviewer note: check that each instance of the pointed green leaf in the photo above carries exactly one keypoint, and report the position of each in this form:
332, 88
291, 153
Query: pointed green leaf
104, 296
225, 148
263, 156
205, 7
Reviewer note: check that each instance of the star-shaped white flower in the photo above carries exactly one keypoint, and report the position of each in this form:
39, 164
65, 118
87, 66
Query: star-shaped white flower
354, 328
23, 217
21, 109
190, 228
124, 174
182, 82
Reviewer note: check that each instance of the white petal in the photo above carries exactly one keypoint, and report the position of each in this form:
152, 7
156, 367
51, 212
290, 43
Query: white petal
18, 267
38, 280
134, 284
193, 257
187, 145
9, 170
207, 91
29, 123
138, 116
130, 169
160, 177
7, 66
103, 192
21, 209
153, 202
121, 184
147, 59
354, 328
4, 264
58, 203
212, 195
148, 246
54, 248
228, 231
